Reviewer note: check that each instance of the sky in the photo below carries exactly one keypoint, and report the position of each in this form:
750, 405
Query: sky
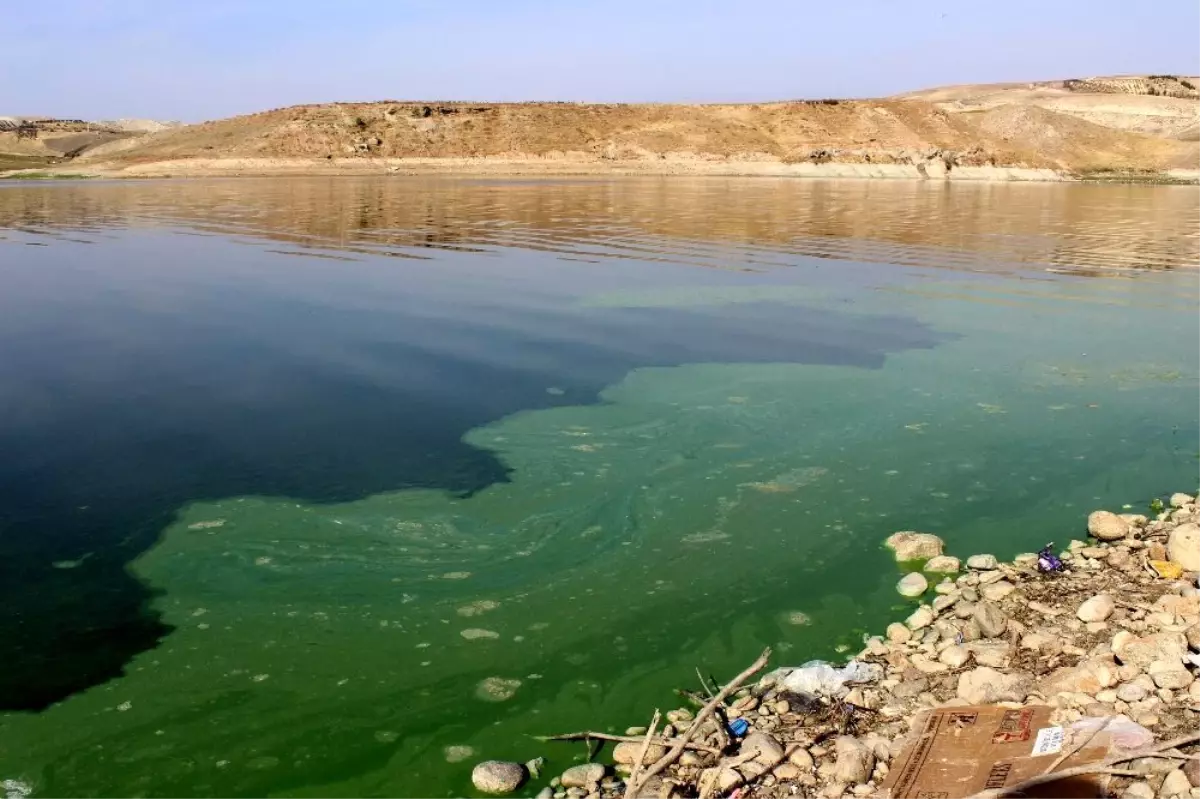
191, 60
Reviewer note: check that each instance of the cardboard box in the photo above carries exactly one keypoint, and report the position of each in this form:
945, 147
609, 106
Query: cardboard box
959, 751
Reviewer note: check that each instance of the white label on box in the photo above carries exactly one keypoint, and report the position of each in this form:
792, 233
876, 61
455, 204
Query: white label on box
1049, 741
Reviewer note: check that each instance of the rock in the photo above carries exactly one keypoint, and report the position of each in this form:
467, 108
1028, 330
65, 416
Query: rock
997, 590
497, 776
679, 716
1192, 634
1172, 676
943, 602
801, 759
787, 772
1098, 608
626, 752
545, 793
768, 750
635, 730
1038, 641
910, 545
943, 564
1179, 500
1143, 650
1191, 769
983, 562
955, 655
990, 653
987, 578
728, 779
1087, 677
1183, 546
920, 618
898, 633
1095, 552
946, 586
1176, 784
855, 761
585, 775
833, 790
1131, 692
927, 666
1107, 526
991, 620
1138, 790
985, 686
912, 585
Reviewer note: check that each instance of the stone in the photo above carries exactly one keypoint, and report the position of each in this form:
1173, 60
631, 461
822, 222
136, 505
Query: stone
985, 686
497, 776
1175, 785
983, 562
997, 590
679, 716
1172, 676
1098, 608
585, 775
943, 602
1107, 526
909, 545
1138, 790
1143, 650
787, 771
855, 760
927, 666
1183, 546
920, 618
1192, 635
912, 585
991, 620
1095, 552
546, 793
990, 653
955, 656
626, 752
1131, 692
946, 586
943, 564
1038, 641
898, 633
1179, 500
1192, 770
801, 759
833, 790
1087, 677
635, 730
768, 750
987, 578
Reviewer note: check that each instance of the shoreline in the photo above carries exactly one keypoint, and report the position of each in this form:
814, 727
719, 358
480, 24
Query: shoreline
1104, 651
568, 166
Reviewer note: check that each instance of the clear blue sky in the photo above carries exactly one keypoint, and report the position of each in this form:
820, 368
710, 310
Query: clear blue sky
200, 59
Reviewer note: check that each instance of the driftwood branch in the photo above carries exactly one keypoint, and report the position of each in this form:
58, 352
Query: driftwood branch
680, 743
589, 735
641, 756
1103, 767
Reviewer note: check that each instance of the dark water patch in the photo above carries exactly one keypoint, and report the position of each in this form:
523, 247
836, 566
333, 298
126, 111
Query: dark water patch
141, 382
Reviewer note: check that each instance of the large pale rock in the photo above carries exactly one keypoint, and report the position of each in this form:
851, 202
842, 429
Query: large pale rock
997, 590
983, 563
1183, 546
855, 760
920, 618
1143, 650
898, 633
1175, 785
626, 752
985, 686
943, 564
1107, 526
991, 653
955, 656
912, 585
1098, 608
1170, 675
991, 620
1179, 500
909, 545
497, 776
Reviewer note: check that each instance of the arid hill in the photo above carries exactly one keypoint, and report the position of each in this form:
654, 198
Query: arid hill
1144, 126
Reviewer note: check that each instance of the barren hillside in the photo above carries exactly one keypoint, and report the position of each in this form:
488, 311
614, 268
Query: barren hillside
1069, 127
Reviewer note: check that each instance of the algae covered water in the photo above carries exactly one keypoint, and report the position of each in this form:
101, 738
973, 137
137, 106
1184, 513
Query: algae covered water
334, 487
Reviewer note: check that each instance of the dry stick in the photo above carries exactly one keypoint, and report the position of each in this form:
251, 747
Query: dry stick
634, 739
703, 685
631, 785
1103, 767
1077, 747
731, 686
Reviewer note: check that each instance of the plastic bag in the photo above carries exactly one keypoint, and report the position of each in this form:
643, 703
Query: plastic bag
818, 678
1126, 733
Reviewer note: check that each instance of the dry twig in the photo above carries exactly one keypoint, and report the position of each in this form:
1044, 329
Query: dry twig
589, 735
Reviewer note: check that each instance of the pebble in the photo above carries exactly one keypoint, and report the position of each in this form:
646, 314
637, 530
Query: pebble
983, 562
1098, 608
912, 585
497, 776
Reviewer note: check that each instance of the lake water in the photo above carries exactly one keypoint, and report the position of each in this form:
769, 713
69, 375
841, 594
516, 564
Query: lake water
308, 486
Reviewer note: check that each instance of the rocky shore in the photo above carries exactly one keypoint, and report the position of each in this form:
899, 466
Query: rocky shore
1106, 638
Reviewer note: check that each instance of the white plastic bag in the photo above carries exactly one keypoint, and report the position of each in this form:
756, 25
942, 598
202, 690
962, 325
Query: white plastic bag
818, 678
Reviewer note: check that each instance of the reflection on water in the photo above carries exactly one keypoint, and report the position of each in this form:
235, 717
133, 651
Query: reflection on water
375, 473
1082, 228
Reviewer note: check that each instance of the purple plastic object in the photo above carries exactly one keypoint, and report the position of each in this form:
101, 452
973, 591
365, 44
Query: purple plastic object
1047, 561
